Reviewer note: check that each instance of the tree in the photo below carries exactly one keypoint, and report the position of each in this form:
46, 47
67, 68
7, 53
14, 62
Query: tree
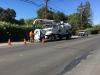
21, 22
58, 16
50, 15
85, 15
88, 15
1, 9
41, 13
7, 15
12, 13
29, 21
74, 20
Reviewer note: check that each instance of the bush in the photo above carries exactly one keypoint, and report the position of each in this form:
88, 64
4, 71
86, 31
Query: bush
13, 31
94, 31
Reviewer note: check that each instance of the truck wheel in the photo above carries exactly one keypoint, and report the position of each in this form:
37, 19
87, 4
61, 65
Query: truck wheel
60, 38
68, 37
52, 37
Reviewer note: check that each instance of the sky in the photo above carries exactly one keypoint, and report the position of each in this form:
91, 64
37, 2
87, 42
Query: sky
28, 11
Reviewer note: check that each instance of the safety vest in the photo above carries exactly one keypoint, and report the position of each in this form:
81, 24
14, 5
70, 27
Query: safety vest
31, 34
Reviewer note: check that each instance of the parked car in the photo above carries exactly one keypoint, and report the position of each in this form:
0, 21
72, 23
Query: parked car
83, 33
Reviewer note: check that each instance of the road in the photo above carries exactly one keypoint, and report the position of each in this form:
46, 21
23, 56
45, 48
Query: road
52, 58
89, 66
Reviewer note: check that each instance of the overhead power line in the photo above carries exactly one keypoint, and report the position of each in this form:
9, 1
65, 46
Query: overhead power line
52, 9
31, 2
56, 10
55, 7
46, 5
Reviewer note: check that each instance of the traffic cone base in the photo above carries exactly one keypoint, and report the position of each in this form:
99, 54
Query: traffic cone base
43, 40
25, 43
9, 43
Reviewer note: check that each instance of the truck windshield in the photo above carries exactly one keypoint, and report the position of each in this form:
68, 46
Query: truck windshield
48, 26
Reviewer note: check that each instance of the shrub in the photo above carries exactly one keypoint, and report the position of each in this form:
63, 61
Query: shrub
13, 31
94, 31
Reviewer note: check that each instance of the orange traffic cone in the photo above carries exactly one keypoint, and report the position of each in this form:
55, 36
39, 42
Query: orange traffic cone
25, 43
43, 40
9, 43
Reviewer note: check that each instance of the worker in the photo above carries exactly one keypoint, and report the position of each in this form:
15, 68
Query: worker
31, 36
42, 36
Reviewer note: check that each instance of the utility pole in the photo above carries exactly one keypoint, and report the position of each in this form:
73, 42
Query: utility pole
46, 9
82, 10
81, 18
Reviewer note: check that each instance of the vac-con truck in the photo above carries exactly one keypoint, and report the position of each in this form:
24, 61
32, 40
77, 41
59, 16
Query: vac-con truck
51, 30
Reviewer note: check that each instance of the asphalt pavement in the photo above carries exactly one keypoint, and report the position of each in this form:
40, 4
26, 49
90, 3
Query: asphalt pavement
90, 65
51, 58
13, 44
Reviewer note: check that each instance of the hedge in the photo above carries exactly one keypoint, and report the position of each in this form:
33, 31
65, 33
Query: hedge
14, 32
95, 31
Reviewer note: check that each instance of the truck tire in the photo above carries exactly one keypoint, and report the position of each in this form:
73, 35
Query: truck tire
68, 36
60, 37
52, 37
